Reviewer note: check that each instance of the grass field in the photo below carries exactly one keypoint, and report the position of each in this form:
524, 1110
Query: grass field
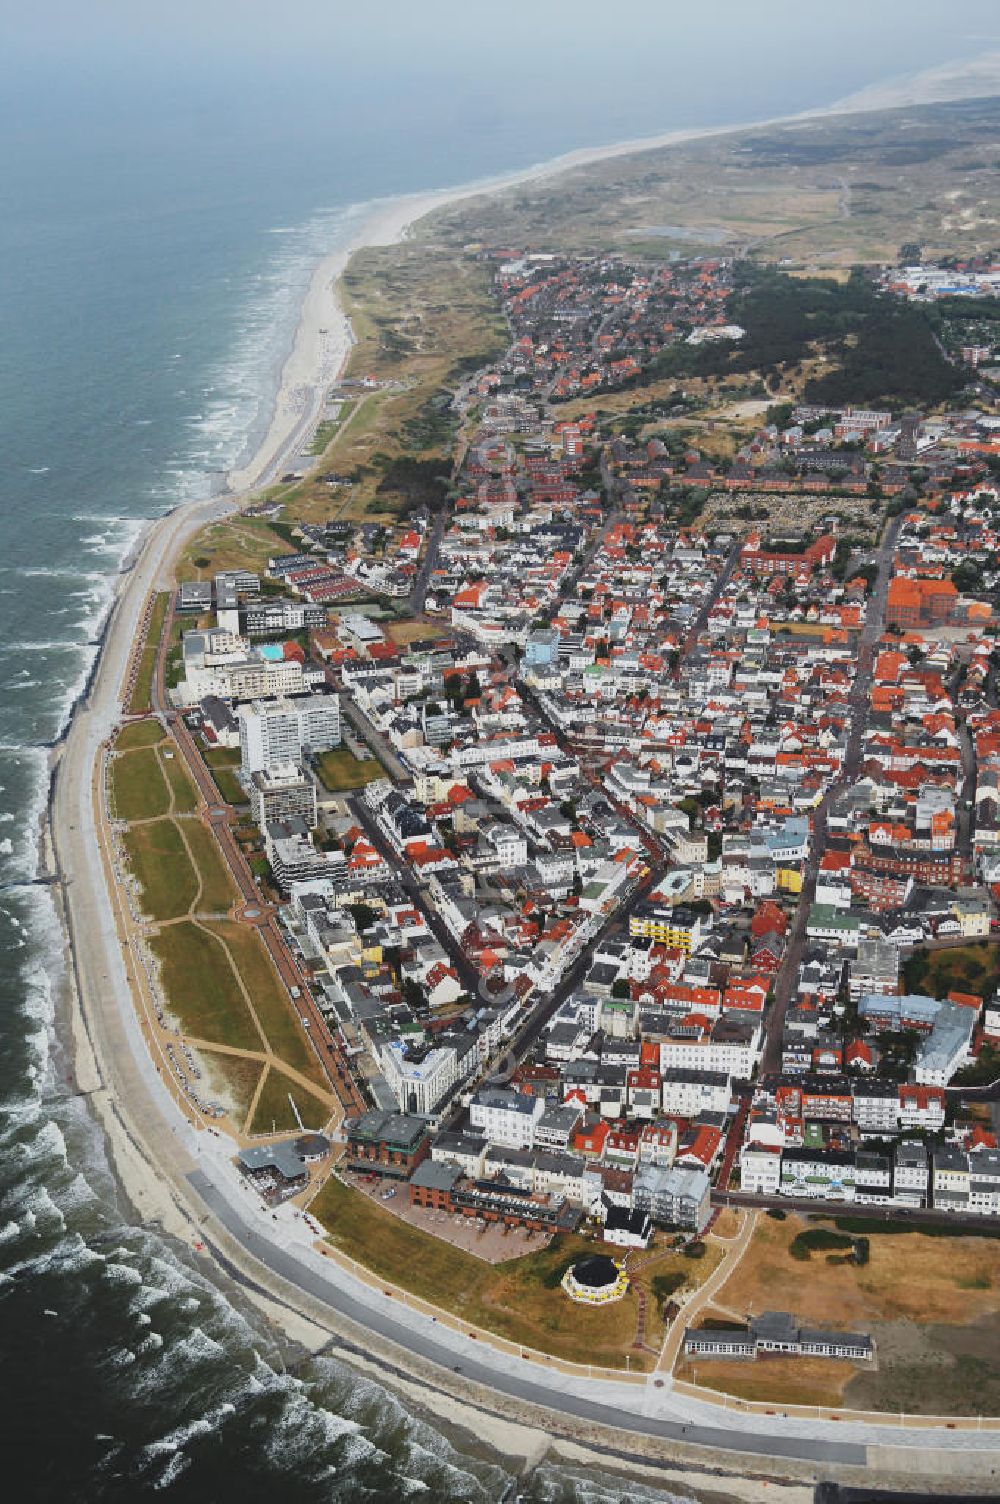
218, 892
238, 543
186, 799
727, 1223
403, 633
161, 864
235, 1078
138, 785
201, 989
147, 662
339, 769
273, 1113
776, 1381
910, 1276
936, 1370
930, 1302
271, 1002
519, 1300
139, 734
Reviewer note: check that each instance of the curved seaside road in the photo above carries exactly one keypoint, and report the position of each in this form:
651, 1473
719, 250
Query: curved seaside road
317, 1281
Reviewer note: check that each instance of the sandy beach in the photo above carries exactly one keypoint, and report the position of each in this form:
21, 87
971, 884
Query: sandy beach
154, 1149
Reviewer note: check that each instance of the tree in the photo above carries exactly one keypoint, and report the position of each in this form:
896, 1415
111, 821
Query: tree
620, 988
414, 994
779, 414
967, 576
363, 914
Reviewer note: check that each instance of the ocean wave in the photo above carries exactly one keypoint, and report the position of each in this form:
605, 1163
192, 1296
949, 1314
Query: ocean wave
54, 572
70, 1257
203, 1425
47, 645
122, 1274
177, 1465
29, 764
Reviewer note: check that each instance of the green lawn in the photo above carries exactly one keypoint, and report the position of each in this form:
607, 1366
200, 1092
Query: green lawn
161, 864
520, 1299
200, 986
340, 769
139, 734
221, 757
218, 892
147, 663
139, 788
229, 786
273, 1113
272, 1004
186, 799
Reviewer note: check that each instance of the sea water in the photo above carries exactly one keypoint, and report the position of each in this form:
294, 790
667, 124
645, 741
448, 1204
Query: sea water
154, 252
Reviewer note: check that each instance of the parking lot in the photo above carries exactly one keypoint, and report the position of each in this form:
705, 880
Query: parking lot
491, 1243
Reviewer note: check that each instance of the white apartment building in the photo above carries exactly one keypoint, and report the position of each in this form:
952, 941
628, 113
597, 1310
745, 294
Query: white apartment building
278, 731
921, 1107
689, 1093
506, 844
911, 1174
876, 1107
950, 1179
506, 1117
729, 1057
481, 752
984, 1182
419, 1078
760, 1169
249, 679
947, 1046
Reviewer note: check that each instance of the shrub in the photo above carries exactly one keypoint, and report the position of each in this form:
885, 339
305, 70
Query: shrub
665, 1285
816, 1239
777, 1213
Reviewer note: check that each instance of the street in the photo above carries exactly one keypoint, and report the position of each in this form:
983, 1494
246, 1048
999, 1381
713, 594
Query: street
859, 702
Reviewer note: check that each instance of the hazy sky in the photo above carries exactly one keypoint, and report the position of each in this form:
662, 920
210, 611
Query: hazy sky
515, 75
537, 34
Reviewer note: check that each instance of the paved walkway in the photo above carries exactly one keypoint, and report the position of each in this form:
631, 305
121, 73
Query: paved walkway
702, 1297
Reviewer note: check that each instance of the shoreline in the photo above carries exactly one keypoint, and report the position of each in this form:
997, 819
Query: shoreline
106, 1037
